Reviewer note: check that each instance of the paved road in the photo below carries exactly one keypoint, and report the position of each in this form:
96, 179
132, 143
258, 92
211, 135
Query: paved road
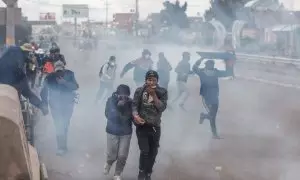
258, 122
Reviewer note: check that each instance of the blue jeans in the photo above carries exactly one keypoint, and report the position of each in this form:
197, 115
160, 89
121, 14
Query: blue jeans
61, 117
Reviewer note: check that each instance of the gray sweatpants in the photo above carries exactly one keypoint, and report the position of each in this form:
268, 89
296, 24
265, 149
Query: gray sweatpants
117, 150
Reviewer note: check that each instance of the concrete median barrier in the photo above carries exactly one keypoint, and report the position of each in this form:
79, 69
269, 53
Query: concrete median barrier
16, 156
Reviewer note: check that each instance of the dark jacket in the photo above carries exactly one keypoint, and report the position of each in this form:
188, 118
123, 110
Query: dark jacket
59, 94
163, 70
119, 119
183, 71
146, 109
209, 89
141, 66
12, 72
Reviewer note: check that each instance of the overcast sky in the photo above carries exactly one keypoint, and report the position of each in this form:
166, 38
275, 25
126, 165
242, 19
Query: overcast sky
32, 8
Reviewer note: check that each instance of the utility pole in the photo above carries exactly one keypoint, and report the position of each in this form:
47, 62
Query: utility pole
136, 16
10, 21
106, 13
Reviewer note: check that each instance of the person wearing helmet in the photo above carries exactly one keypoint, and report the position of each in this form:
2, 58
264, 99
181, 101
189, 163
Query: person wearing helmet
47, 65
59, 93
107, 76
12, 72
56, 56
141, 66
183, 71
53, 57
149, 102
209, 91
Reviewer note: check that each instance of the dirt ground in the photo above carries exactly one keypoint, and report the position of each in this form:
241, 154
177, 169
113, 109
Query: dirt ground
258, 123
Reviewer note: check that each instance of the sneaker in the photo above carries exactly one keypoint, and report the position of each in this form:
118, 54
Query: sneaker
106, 169
202, 118
182, 106
117, 178
148, 177
216, 137
141, 175
61, 152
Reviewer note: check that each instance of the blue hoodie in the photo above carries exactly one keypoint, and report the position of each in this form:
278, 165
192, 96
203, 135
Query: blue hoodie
119, 119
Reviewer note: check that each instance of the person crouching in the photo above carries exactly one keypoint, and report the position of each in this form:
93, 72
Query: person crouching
149, 102
118, 111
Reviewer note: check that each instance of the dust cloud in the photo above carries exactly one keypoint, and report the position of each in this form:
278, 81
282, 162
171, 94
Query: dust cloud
258, 123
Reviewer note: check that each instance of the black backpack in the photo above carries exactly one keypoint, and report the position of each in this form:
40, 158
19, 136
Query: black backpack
101, 70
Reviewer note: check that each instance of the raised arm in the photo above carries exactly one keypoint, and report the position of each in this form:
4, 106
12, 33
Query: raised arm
62, 57
196, 68
110, 109
127, 67
161, 103
136, 101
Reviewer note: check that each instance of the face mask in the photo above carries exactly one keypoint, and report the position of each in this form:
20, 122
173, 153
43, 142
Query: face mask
111, 63
123, 97
147, 56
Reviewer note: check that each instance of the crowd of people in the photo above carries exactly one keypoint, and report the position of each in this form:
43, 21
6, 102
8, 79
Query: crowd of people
144, 110
149, 102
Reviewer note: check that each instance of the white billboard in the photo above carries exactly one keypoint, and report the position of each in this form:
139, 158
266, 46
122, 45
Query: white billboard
75, 10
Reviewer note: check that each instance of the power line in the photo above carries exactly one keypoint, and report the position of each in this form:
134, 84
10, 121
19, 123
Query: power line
59, 5
92, 8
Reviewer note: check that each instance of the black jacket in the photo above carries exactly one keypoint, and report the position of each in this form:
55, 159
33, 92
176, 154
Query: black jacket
209, 89
12, 73
119, 119
163, 70
145, 107
183, 71
141, 66
59, 94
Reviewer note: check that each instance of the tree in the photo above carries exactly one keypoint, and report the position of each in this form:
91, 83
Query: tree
174, 15
224, 11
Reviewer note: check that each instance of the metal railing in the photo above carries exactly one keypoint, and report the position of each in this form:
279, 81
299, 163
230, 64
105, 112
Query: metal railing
267, 59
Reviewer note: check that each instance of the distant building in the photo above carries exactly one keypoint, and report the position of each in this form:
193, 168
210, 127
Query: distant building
124, 21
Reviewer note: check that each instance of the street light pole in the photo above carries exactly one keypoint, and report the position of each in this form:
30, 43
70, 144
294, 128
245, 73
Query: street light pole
10, 21
136, 16
106, 13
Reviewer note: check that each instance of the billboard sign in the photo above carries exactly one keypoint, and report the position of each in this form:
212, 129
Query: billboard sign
50, 16
75, 10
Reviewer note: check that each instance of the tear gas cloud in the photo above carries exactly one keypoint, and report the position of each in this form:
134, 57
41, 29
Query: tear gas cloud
251, 117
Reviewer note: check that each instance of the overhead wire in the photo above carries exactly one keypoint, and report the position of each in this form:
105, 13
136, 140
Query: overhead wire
60, 5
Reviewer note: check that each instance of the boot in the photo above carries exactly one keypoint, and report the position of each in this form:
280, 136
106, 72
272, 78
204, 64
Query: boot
202, 118
148, 177
141, 175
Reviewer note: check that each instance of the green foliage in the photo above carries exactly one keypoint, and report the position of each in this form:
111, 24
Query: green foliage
224, 11
174, 14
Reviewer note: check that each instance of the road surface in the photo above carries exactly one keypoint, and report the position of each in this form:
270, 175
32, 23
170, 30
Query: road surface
259, 123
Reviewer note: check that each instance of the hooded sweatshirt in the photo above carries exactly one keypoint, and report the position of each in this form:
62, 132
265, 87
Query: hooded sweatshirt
119, 118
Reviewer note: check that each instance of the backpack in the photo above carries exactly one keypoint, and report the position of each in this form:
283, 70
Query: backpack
101, 69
